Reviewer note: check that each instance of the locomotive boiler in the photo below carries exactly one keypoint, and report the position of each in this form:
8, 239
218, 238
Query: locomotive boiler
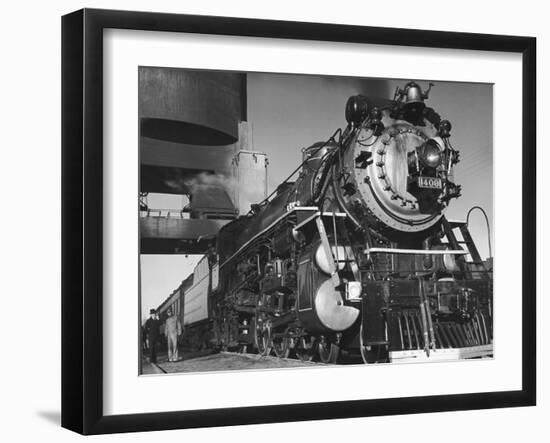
355, 255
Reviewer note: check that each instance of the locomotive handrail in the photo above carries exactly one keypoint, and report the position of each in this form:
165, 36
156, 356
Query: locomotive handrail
263, 231
417, 251
317, 214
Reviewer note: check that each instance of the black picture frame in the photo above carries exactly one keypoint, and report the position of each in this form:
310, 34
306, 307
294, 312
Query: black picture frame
82, 232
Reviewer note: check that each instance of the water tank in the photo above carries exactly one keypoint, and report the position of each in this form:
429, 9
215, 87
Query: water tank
190, 106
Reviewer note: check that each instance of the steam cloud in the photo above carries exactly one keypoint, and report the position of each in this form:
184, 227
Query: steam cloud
242, 195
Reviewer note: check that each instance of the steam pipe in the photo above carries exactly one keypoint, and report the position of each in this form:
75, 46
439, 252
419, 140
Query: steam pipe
487, 223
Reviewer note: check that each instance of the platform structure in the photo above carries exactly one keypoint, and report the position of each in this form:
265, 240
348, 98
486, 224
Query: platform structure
442, 354
194, 142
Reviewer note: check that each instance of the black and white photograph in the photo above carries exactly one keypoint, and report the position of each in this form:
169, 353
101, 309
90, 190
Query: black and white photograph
290, 221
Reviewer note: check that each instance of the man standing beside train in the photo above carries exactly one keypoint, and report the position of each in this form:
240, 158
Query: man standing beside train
152, 328
172, 329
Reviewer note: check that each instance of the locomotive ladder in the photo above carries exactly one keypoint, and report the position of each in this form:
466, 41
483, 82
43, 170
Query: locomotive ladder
467, 241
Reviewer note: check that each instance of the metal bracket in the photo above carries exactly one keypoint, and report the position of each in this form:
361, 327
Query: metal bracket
328, 252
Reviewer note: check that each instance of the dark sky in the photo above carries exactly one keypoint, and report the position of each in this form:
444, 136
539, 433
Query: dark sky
289, 112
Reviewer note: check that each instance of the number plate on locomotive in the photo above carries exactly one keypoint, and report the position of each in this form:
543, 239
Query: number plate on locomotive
429, 183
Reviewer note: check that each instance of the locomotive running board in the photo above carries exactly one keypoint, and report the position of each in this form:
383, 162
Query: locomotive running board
318, 214
416, 251
311, 209
445, 354
290, 212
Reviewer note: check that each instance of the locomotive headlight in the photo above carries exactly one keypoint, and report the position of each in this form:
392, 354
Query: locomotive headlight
430, 153
353, 290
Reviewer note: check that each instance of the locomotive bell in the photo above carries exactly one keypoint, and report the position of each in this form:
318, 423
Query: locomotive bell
413, 93
411, 100
413, 103
357, 109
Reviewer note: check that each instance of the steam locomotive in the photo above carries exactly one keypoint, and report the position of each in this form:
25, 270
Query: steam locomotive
355, 256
